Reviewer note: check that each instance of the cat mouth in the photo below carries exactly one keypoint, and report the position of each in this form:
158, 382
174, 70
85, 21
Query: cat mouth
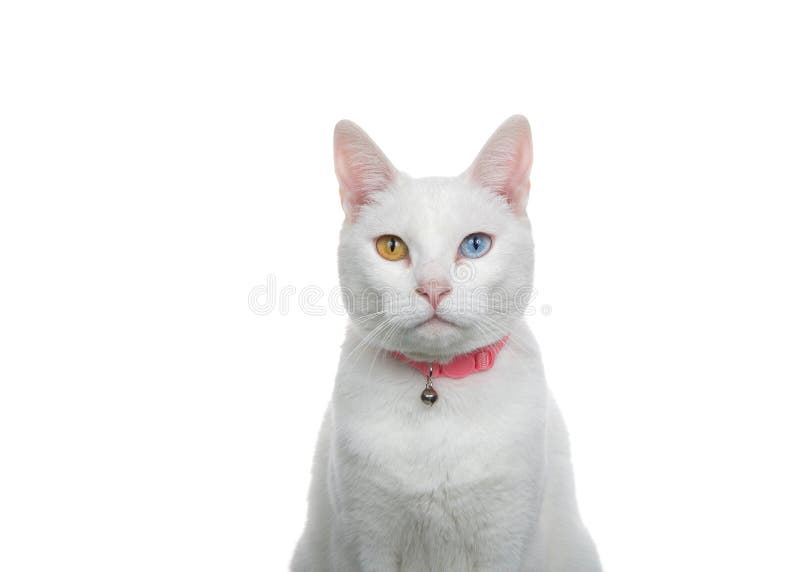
436, 319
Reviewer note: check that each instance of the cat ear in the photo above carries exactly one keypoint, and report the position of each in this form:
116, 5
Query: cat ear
504, 164
361, 167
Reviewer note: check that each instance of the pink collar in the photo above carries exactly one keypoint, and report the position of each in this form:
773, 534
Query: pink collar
461, 365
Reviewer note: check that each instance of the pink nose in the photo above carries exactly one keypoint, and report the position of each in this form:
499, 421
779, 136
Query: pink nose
433, 291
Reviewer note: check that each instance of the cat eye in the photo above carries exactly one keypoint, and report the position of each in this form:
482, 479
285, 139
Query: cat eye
391, 247
475, 245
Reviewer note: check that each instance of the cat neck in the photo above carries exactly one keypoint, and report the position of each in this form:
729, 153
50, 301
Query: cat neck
459, 366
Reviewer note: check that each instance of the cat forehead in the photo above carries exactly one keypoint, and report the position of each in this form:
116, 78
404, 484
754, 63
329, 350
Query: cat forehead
435, 203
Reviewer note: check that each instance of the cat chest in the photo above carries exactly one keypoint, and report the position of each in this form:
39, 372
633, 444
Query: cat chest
406, 486
438, 521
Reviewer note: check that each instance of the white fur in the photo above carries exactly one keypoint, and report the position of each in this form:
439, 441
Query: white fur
482, 480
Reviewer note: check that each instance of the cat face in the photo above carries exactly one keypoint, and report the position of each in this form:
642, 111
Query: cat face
438, 266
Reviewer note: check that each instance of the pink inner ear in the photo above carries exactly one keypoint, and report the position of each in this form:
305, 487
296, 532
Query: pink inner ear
361, 167
504, 164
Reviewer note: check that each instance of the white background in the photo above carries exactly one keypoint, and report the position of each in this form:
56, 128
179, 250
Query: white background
159, 160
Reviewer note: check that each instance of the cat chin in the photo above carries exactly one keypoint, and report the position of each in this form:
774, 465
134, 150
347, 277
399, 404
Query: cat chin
435, 328
438, 340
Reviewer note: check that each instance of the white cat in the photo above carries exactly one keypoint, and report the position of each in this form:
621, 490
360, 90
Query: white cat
440, 269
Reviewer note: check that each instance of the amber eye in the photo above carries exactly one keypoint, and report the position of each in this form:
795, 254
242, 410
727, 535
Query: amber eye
391, 247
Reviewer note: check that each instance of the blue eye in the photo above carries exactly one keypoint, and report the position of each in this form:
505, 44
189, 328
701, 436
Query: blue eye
475, 245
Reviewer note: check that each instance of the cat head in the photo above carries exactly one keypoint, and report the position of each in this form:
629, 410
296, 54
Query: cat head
439, 266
